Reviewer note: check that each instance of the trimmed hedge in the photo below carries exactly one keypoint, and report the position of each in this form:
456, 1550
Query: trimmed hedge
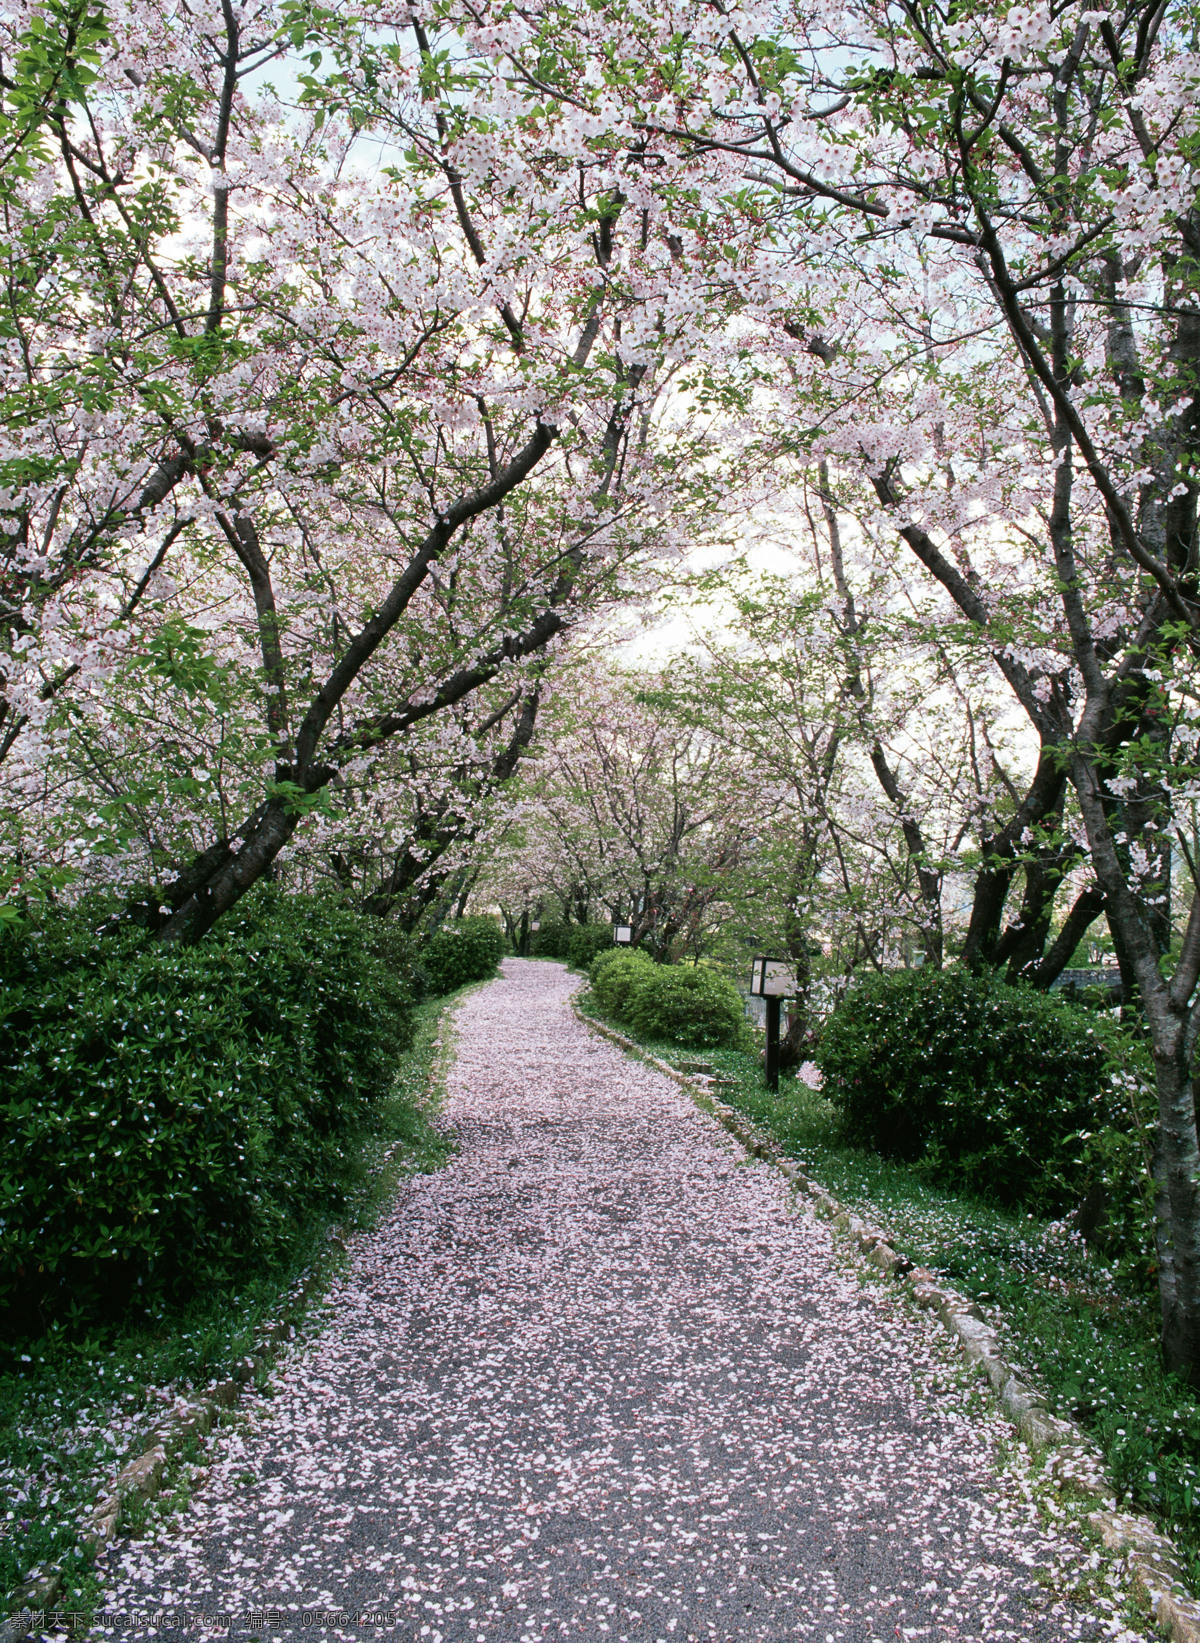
699, 1008
397, 952
467, 950
587, 942
614, 973
174, 1115
996, 1089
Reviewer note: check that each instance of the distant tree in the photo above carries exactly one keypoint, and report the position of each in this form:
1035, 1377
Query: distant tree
628, 808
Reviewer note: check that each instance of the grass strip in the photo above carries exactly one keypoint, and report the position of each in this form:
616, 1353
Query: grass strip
73, 1410
1071, 1321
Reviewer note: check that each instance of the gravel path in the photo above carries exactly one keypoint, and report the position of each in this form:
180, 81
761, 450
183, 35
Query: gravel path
598, 1380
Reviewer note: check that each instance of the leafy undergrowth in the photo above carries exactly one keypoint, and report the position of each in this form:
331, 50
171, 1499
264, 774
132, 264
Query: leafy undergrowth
72, 1410
1077, 1327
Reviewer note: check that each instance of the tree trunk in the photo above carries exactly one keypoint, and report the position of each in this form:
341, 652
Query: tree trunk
239, 872
1177, 1180
1089, 904
794, 1044
985, 945
1171, 1021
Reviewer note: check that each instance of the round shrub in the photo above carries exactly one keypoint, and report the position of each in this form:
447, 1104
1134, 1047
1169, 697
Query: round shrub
587, 942
613, 974
699, 1008
173, 1114
995, 1089
467, 950
605, 958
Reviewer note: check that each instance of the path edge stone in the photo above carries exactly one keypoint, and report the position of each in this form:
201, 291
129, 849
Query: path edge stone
1153, 1563
141, 1476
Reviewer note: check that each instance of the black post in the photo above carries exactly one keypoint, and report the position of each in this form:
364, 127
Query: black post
772, 1042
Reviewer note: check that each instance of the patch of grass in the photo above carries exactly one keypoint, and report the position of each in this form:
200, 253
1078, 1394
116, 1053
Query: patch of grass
72, 1410
1076, 1326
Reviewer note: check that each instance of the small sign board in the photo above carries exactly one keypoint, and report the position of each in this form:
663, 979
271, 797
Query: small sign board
623, 934
536, 924
772, 978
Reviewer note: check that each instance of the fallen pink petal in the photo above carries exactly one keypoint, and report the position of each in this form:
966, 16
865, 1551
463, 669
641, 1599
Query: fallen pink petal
601, 1378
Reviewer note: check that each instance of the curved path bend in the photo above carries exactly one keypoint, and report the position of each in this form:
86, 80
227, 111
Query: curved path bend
599, 1379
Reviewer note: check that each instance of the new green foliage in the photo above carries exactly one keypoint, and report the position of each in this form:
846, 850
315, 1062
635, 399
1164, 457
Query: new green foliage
990, 1088
469, 949
173, 1114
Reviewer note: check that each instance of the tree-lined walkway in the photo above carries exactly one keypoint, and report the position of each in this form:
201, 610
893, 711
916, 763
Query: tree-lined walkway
598, 1380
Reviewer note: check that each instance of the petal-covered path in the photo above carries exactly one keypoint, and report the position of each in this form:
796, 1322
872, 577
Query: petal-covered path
599, 1379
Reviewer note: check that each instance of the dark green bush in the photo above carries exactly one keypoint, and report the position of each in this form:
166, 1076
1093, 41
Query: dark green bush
175, 1114
467, 950
993, 1089
399, 955
699, 1008
587, 942
550, 939
614, 973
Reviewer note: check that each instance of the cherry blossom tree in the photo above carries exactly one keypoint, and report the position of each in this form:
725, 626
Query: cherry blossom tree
628, 808
865, 793
319, 418
995, 231
1060, 217
404, 842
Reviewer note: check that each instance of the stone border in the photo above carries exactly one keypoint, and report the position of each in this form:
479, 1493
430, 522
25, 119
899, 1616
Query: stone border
1153, 1563
142, 1477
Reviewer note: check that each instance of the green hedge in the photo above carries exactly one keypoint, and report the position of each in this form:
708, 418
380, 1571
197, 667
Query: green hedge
699, 1008
175, 1114
587, 942
614, 973
398, 953
999, 1090
467, 950
550, 939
